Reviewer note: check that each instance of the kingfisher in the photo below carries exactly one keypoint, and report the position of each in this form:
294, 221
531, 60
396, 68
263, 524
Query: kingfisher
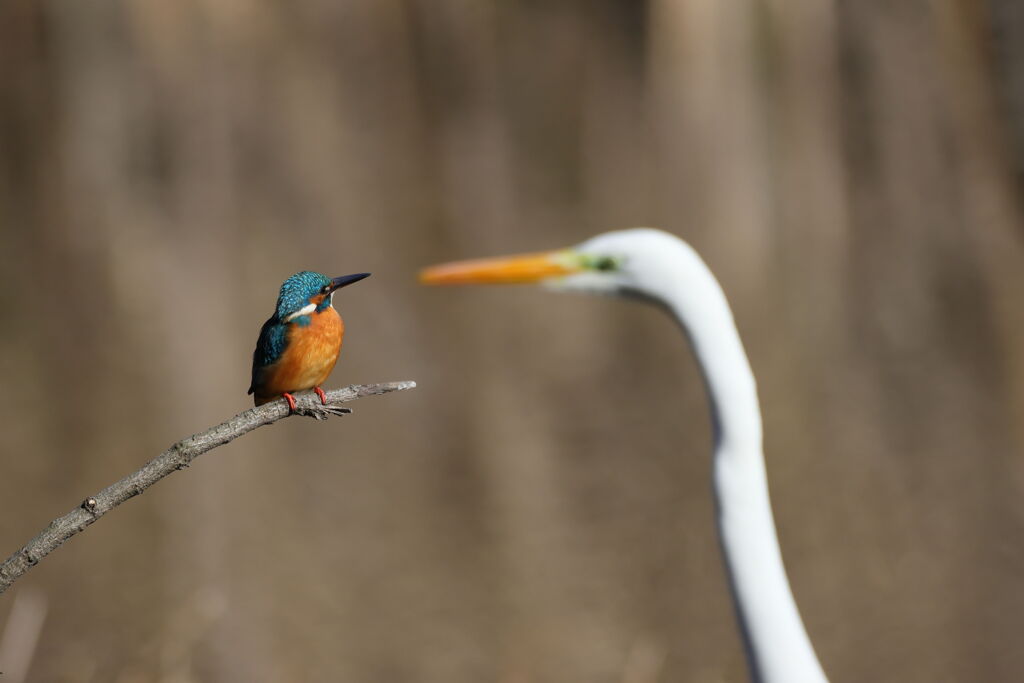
299, 344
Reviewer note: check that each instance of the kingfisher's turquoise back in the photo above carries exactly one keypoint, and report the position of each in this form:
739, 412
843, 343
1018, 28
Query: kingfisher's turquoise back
269, 347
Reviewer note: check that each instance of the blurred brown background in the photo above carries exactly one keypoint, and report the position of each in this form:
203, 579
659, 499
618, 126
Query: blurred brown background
538, 510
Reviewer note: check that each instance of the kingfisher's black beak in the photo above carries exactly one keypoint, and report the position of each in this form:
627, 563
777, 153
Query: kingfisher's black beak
346, 280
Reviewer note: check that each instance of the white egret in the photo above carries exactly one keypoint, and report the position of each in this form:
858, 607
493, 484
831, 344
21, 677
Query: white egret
655, 265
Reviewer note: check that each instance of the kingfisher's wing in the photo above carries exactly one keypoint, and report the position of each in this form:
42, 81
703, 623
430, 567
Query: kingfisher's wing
269, 348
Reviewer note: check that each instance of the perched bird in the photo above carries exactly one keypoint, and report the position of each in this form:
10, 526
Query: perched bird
299, 344
655, 266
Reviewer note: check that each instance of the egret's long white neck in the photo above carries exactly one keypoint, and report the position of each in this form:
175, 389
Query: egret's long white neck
778, 646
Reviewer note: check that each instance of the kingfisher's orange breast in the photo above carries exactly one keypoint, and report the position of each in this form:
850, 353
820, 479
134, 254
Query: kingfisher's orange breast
310, 355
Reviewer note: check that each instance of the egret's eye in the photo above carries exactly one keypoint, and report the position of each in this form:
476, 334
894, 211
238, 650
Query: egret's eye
605, 263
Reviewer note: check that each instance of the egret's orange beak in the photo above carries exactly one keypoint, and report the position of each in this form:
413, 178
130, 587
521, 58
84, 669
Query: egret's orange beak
521, 269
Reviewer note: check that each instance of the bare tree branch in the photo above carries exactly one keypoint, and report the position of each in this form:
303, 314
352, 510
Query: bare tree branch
178, 457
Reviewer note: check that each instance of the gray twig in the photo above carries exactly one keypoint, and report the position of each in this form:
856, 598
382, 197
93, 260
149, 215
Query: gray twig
177, 457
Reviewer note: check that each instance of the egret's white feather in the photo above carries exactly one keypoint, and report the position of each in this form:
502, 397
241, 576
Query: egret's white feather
662, 267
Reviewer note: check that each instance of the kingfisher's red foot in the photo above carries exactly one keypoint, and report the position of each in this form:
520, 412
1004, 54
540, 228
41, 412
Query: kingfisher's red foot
321, 394
291, 402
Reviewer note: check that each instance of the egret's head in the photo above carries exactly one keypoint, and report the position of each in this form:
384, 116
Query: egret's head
617, 262
308, 292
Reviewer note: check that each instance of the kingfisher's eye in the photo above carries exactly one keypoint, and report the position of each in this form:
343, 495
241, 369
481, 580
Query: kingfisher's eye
605, 263
325, 290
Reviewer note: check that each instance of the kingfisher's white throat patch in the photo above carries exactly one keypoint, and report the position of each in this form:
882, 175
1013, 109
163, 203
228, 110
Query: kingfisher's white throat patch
305, 310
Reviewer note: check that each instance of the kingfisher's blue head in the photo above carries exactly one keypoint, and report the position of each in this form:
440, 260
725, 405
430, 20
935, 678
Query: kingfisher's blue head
308, 292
